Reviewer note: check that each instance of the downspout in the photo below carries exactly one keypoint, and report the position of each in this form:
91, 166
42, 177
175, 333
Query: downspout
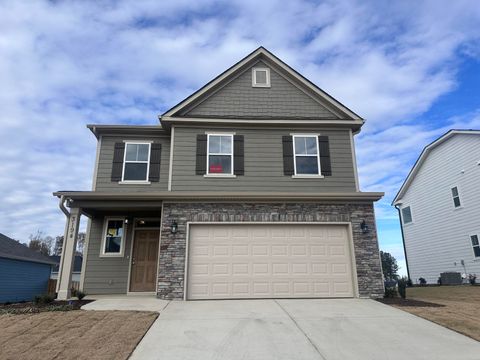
62, 207
403, 240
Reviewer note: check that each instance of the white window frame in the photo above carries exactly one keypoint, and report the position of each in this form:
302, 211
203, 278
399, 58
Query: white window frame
296, 175
476, 258
104, 237
208, 174
458, 196
254, 77
149, 143
411, 215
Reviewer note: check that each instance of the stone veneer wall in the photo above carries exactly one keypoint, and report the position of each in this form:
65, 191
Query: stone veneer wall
171, 267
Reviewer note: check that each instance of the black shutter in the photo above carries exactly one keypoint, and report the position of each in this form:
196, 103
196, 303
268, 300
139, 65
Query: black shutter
201, 165
155, 157
117, 166
325, 162
238, 167
287, 155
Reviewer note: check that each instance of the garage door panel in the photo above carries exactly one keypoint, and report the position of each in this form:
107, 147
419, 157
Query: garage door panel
268, 261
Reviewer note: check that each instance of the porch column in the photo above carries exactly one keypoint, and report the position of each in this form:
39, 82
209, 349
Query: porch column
69, 248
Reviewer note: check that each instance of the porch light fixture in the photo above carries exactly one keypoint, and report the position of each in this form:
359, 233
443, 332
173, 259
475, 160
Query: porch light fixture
174, 227
364, 227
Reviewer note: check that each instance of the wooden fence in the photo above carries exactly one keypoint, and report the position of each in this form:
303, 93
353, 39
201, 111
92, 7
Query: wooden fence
52, 286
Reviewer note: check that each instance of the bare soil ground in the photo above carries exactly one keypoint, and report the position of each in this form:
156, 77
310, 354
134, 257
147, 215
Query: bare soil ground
460, 311
74, 334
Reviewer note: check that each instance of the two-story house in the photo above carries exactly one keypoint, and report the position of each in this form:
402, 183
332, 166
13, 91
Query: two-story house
439, 206
248, 188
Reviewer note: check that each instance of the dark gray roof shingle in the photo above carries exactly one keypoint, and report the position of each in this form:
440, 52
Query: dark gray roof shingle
13, 249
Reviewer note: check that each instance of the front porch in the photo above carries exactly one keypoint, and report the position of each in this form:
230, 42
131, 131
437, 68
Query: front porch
126, 302
121, 247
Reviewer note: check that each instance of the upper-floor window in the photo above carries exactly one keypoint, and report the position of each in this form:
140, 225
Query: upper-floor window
220, 154
136, 162
306, 155
261, 77
456, 197
113, 237
475, 245
407, 215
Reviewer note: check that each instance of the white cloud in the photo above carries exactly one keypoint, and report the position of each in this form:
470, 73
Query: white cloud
66, 64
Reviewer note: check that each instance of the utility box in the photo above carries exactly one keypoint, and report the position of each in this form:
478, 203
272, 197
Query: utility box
451, 278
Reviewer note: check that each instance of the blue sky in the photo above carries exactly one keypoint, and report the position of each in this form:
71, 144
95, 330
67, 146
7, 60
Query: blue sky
410, 68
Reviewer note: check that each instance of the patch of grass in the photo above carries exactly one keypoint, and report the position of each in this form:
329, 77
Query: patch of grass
459, 311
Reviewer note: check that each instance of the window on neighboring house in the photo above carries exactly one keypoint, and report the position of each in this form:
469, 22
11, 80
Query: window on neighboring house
261, 77
220, 154
136, 163
456, 197
306, 155
113, 237
475, 245
407, 215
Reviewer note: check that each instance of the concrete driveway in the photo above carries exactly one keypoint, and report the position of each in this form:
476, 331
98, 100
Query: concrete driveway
298, 329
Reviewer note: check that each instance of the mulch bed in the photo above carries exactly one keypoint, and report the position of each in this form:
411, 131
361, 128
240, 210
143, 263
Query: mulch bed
408, 302
31, 308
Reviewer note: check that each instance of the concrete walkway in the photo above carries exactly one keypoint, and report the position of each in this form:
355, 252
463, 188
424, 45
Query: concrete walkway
125, 302
298, 329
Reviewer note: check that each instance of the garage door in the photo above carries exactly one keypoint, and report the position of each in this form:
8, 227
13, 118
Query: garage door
269, 261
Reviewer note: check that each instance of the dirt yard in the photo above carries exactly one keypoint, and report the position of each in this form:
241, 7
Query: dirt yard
460, 313
73, 334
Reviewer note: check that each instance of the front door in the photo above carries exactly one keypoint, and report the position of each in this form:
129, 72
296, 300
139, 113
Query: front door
144, 260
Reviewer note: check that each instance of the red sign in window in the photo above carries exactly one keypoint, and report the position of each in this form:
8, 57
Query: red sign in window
216, 169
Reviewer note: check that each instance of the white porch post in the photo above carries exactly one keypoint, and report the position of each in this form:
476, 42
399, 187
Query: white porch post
68, 254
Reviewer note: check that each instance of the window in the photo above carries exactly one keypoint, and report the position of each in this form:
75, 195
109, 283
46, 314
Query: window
220, 154
261, 77
475, 245
306, 155
407, 215
136, 163
456, 197
113, 237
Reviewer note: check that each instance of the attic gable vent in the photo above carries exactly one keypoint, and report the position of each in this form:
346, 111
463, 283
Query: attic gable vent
261, 77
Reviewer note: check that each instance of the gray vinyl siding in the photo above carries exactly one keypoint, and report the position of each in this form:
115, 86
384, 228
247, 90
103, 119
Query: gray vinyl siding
105, 275
105, 161
263, 163
238, 99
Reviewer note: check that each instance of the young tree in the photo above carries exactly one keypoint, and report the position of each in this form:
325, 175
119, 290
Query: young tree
389, 266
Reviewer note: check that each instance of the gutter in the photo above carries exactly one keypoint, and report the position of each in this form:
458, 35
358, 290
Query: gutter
403, 240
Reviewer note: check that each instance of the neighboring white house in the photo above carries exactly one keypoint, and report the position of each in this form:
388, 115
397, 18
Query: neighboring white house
439, 203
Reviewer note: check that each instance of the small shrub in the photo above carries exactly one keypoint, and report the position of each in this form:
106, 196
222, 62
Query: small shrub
80, 294
402, 287
390, 292
422, 281
43, 299
409, 282
439, 281
472, 278
73, 291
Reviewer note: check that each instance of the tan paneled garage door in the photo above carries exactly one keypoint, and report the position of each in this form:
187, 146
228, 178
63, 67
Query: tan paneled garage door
269, 261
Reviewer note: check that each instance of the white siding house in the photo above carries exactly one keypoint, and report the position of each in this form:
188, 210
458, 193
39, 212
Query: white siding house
439, 204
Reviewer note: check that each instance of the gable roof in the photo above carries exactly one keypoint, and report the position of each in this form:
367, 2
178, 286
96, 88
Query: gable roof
423, 156
13, 249
263, 54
